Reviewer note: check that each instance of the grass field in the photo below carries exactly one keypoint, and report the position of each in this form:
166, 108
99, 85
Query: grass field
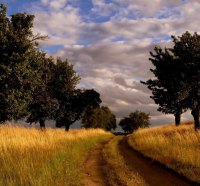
30, 157
177, 147
116, 169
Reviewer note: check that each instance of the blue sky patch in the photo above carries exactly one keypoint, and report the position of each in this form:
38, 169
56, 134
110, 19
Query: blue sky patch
52, 48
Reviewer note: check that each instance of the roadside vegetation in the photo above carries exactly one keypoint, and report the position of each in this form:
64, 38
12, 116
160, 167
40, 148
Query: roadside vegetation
116, 169
52, 157
176, 147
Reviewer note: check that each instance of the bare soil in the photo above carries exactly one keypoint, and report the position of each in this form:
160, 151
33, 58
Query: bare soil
93, 168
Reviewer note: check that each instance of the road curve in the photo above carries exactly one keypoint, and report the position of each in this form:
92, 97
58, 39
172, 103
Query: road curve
152, 173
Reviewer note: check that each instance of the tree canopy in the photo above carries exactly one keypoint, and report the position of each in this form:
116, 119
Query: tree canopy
100, 117
74, 106
17, 77
176, 86
43, 104
165, 87
32, 85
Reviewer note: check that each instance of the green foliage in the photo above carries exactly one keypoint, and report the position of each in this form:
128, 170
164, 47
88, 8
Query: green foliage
176, 86
72, 102
187, 50
100, 117
135, 120
65, 79
33, 85
16, 75
57, 84
165, 88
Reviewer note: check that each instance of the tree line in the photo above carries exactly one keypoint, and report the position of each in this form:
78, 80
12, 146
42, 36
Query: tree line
176, 83
36, 87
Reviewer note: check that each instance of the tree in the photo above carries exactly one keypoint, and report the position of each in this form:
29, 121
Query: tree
23, 71
17, 77
33, 85
176, 87
43, 105
76, 105
187, 50
65, 79
100, 117
135, 120
165, 88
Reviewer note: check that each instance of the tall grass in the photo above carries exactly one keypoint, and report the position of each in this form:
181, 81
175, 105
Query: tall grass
30, 157
177, 147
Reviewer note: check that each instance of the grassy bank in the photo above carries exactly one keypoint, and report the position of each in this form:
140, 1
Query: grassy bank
116, 169
53, 157
176, 147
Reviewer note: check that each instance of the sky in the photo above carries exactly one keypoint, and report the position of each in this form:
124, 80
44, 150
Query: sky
108, 42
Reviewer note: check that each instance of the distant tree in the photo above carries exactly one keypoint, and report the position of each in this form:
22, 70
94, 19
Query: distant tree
126, 124
100, 117
135, 120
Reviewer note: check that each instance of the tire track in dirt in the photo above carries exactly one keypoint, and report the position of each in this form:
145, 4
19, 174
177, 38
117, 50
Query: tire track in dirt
94, 168
152, 173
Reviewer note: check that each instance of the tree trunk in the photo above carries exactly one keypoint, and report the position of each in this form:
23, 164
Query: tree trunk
66, 127
195, 114
177, 118
42, 124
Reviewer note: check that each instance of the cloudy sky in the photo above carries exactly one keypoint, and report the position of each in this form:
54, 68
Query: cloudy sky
108, 41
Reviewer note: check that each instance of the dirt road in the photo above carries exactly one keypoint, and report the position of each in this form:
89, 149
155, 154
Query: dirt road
152, 173
93, 168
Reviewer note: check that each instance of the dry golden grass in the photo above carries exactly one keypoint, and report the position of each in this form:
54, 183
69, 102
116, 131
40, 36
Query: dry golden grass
177, 147
116, 170
52, 157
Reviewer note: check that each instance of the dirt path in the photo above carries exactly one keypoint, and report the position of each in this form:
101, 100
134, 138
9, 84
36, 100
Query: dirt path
152, 172
93, 168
